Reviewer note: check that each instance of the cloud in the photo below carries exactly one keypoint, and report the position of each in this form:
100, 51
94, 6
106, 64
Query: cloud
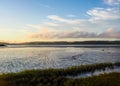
49, 34
96, 15
104, 14
102, 23
77, 34
112, 2
64, 20
99, 18
64, 34
78, 28
111, 33
57, 18
44, 33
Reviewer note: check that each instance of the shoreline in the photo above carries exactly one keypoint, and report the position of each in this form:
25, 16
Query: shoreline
62, 46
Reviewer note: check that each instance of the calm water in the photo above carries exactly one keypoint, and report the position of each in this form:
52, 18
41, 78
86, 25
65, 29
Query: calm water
22, 58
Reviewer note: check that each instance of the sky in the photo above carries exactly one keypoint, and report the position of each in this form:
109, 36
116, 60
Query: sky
59, 20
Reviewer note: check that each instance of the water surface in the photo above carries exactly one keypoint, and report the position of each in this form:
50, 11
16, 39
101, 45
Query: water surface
14, 59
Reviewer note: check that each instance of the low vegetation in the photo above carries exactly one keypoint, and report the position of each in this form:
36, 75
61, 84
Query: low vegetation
57, 77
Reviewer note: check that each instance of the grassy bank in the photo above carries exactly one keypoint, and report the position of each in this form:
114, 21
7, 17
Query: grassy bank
57, 77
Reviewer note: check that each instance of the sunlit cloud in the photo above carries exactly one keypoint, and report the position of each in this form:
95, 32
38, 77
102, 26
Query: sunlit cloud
58, 27
95, 22
46, 33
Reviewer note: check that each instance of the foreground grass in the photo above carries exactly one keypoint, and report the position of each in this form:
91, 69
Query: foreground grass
57, 77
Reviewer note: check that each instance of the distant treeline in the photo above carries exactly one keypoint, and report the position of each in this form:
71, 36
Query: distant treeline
64, 43
72, 43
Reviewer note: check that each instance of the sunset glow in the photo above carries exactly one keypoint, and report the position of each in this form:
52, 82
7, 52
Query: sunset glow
59, 20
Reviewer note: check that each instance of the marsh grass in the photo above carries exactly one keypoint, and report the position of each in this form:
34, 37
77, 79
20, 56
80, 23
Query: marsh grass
57, 77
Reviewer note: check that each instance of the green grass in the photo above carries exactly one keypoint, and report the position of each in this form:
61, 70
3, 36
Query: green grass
57, 77
111, 79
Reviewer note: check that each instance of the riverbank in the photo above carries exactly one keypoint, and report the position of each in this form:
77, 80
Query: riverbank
57, 77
